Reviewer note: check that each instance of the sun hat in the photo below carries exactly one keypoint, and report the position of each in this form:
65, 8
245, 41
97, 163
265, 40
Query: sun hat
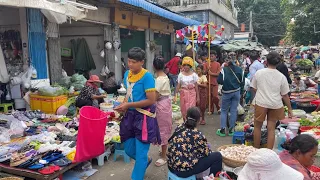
178, 54
265, 164
94, 78
187, 61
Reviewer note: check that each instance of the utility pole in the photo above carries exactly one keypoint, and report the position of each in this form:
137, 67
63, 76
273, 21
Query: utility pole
250, 26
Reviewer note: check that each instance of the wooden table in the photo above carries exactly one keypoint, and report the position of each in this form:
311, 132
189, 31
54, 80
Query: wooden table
34, 174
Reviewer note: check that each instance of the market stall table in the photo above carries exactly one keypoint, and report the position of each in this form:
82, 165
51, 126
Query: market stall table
34, 174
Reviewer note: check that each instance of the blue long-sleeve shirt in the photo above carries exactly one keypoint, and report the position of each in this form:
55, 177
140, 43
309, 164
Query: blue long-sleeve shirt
255, 66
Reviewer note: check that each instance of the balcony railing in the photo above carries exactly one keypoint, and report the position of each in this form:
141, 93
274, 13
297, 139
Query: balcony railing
185, 2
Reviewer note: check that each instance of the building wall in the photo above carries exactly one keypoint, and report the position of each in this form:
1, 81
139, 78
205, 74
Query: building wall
10, 16
91, 32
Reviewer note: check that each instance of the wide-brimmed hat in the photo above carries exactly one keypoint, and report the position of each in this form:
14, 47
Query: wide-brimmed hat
265, 164
187, 61
94, 78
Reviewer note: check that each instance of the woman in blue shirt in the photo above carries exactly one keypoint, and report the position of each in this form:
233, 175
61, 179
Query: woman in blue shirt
138, 128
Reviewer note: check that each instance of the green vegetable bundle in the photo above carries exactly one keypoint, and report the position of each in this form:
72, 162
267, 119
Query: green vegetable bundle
305, 63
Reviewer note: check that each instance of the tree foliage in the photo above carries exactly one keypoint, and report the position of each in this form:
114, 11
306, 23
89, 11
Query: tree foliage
306, 14
268, 22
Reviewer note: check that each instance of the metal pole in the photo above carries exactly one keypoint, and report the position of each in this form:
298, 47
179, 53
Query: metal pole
209, 76
251, 27
193, 53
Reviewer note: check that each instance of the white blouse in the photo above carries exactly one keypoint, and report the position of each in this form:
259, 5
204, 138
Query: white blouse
187, 80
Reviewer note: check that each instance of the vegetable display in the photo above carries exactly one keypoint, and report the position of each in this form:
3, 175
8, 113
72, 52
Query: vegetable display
305, 63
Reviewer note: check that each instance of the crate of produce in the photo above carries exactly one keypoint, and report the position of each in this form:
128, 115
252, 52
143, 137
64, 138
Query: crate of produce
47, 104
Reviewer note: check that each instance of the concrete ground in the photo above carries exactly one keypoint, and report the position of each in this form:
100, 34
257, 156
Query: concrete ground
121, 171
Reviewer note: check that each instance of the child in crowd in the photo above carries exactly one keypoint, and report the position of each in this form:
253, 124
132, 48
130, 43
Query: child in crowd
187, 86
202, 85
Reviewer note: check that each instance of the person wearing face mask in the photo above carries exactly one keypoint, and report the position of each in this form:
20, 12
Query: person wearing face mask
300, 154
231, 78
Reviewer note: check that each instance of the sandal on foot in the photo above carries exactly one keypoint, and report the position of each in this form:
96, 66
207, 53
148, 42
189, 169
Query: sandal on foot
160, 162
221, 132
202, 122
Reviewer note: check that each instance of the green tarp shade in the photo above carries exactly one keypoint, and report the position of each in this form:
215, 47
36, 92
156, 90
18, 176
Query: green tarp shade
230, 47
305, 48
83, 60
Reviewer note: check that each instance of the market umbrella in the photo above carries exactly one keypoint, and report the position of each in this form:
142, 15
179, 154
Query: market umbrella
305, 48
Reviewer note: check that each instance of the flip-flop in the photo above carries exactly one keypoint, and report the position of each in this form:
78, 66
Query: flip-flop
220, 134
29, 162
5, 157
47, 170
62, 162
160, 162
36, 166
52, 157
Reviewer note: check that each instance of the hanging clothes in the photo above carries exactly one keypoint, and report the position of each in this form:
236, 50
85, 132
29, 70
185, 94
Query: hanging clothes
4, 76
83, 60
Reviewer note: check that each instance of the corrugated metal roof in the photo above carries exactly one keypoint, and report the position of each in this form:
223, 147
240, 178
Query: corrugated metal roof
161, 12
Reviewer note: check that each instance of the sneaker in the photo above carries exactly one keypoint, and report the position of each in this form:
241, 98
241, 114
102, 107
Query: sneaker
221, 132
231, 132
219, 111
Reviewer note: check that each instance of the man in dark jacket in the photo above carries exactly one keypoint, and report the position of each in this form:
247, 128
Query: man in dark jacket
232, 80
284, 70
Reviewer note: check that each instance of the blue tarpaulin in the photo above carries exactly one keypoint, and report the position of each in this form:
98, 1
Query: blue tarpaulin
161, 12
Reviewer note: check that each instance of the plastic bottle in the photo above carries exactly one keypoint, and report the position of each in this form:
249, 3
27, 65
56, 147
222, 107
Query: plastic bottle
276, 139
282, 139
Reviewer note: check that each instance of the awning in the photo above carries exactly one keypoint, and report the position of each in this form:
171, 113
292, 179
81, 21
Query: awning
67, 9
161, 12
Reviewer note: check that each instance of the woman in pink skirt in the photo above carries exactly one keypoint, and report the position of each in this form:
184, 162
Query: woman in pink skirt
187, 87
164, 110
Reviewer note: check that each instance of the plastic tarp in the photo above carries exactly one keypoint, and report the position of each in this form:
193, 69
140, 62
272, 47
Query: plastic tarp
65, 9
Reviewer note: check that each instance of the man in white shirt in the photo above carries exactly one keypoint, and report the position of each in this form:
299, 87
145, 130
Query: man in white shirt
271, 88
254, 67
316, 79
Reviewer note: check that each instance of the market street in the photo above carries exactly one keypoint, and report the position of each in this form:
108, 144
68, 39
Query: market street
121, 171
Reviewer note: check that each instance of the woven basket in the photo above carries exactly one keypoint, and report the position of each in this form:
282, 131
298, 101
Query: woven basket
11, 178
231, 162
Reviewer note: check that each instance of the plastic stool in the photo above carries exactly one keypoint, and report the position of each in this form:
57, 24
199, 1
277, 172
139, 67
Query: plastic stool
121, 153
101, 158
238, 136
6, 107
172, 176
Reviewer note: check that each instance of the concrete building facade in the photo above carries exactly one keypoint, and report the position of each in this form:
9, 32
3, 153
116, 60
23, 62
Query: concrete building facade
220, 12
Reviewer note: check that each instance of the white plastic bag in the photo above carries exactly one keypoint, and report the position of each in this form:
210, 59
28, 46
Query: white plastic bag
102, 72
64, 73
34, 74
240, 109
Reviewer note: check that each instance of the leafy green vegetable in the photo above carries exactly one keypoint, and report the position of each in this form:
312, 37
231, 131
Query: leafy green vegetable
305, 122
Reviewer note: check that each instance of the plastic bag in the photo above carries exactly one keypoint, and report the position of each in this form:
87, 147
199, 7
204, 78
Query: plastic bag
64, 73
65, 82
103, 72
51, 91
4, 135
240, 109
34, 73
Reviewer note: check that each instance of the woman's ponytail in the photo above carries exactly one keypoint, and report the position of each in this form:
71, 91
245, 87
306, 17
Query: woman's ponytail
193, 117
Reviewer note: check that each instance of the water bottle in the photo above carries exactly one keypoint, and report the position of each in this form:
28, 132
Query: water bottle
276, 139
282, 139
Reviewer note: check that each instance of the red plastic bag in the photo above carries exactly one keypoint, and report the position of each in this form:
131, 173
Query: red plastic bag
91, 132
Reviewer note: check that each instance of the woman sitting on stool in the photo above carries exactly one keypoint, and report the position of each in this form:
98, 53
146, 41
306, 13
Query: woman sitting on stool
189, 152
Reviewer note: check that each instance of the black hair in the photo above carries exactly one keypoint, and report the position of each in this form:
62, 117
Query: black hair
158, 63
137, 54
246, 54
193, 117
304, 143
254, 55
273, 58
213, 52
110, 74
200, 66
203, 54
298, 78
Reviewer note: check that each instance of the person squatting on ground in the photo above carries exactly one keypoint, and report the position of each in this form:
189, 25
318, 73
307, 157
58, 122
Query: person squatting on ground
232, 80
189, 152
187, 86
139, 127
300, 154
164, 109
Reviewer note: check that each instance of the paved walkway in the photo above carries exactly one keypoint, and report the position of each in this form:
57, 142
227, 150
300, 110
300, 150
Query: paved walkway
121, 171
